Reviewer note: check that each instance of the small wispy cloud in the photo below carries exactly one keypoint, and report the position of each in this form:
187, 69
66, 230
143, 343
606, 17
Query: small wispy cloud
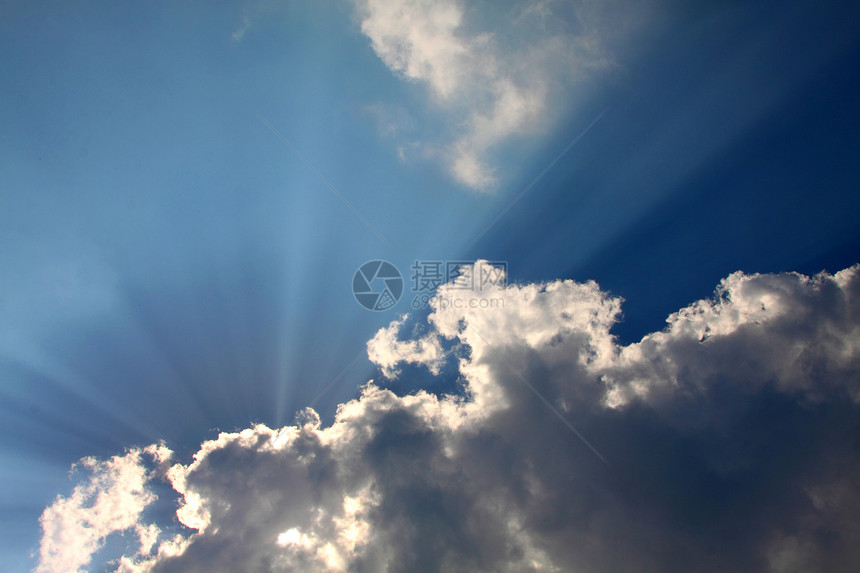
493, 84
240, 31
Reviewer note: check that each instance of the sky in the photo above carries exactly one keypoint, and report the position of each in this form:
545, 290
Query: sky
640, 351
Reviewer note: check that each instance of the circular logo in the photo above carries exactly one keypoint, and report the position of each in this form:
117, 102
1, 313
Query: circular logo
377, 285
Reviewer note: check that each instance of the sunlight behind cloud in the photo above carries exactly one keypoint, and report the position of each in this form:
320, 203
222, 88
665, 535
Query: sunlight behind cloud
464, 482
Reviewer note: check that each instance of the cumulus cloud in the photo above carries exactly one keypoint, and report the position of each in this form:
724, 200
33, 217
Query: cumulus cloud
731, 438
492, 83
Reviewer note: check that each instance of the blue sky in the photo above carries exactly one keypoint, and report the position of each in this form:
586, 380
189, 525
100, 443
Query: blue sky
169, 267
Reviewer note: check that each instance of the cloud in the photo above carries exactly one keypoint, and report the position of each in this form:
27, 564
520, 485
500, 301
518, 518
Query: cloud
110, 501
387, 352
731, 439
492, 84
239, 33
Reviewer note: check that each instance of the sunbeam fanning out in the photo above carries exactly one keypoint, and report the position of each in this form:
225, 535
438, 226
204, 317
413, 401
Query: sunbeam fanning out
239, 294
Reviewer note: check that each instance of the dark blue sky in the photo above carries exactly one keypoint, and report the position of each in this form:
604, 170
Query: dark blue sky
730, 144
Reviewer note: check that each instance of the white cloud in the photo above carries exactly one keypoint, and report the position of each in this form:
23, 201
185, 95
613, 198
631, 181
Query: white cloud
419, 39
387, 352
493, 84
731, 439
110, 501
788, 322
